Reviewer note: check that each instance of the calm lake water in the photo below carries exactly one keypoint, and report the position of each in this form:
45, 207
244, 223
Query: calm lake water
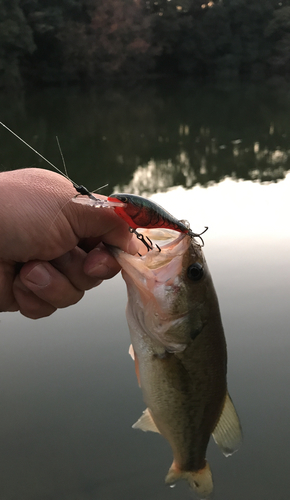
68, 391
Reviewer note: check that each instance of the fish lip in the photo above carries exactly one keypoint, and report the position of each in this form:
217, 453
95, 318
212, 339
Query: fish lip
171, 248
159, 268
113, 250
130, 264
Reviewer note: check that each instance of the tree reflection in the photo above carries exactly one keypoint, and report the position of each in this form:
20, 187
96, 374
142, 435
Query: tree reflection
151, 139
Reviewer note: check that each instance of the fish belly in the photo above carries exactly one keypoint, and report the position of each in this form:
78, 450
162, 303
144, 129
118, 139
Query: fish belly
185, 394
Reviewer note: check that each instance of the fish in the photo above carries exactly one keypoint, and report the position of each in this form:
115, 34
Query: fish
179, 350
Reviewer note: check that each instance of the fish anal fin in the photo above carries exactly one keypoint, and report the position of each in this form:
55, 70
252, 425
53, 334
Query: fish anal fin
145, 422
228, 432
200, 481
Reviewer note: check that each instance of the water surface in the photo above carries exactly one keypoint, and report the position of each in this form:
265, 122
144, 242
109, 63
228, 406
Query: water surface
68, 391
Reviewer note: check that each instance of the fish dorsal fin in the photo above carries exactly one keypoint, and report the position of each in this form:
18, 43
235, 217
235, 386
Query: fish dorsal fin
228, 432
145, 422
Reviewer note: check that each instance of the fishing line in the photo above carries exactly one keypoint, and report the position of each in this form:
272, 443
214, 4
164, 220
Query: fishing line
39, 154
62, 157
79, 188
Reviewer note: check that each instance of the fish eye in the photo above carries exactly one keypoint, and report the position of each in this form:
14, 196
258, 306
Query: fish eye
195, 272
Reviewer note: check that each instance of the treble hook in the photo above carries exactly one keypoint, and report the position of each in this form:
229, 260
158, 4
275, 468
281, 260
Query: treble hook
195, 235
141, 238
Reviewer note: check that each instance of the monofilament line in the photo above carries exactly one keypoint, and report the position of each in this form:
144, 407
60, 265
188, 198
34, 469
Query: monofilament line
39, 154
62, 157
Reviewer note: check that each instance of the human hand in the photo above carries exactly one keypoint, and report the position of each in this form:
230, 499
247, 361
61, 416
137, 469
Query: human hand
51, 249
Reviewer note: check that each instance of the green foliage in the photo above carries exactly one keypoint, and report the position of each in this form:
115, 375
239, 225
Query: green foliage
213, 38
115, 41
46, 19
55, 41
278, 32
15, 42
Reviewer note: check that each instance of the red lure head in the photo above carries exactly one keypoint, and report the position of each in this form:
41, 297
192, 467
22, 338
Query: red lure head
128, 212
138, 211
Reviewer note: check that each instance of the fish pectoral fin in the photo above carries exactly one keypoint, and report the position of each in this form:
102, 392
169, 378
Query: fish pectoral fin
145, 422
228, 431
135, 359
200, 480
131, 352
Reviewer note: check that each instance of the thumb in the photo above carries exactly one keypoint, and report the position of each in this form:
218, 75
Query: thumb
102, 223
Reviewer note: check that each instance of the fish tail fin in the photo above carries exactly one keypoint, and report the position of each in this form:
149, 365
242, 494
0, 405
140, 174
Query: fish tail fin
200, 481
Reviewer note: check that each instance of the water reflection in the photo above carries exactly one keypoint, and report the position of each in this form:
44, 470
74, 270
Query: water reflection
68, 391
148, 140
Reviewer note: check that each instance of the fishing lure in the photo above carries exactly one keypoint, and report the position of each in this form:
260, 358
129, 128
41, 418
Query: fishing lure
140, 212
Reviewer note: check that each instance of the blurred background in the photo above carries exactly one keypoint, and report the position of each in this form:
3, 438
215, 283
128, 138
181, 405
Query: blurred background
89, 41
187, 103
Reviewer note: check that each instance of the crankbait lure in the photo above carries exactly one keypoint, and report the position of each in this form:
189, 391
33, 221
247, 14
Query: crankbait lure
140, 212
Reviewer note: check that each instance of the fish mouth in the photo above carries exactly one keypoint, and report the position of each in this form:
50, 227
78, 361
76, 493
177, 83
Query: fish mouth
154, 284
159, 265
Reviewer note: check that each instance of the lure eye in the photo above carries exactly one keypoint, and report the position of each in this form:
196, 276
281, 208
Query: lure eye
195, 272
123, 199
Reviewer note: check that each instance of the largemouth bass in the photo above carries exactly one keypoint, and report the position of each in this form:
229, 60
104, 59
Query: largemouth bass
179, 349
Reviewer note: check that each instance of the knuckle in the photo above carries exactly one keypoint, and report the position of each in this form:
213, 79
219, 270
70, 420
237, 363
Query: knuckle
70, 299
36, 310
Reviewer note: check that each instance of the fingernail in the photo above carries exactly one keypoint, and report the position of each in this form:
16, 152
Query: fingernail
100, 271
39, 276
